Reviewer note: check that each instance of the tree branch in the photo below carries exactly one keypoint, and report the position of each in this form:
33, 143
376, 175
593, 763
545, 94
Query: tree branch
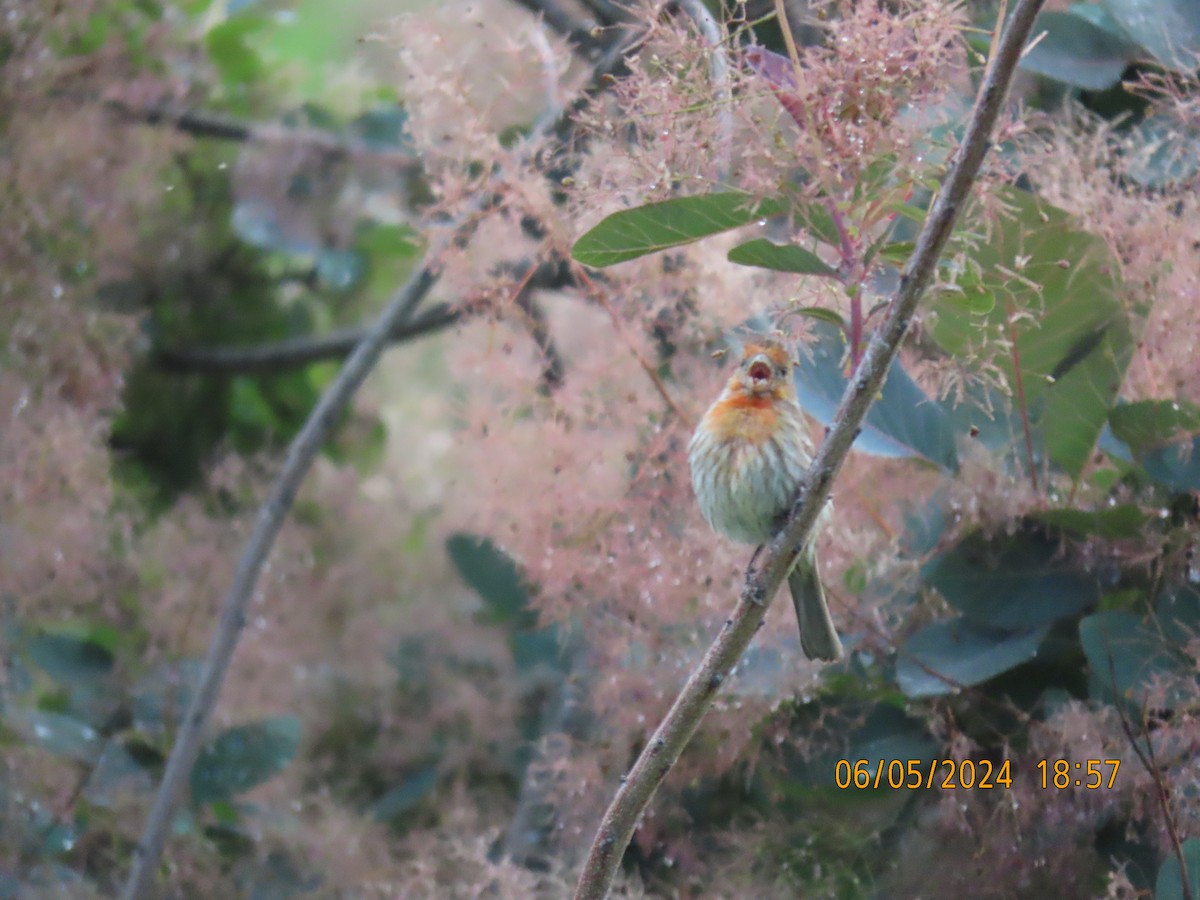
270, 519
291, 354
199, 123
280, 356
665, 745
398, 314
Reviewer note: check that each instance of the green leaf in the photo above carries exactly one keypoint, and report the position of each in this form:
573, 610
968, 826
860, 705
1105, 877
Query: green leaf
228, 45
59, 734
944, 656
781, 258
1168, 29
1169, 884
1176, 467
1111, 523
897, 252
1147, 424
646, 229
1144, 431
405, 796
903, 422
1126, 654
1162, 150
69, 659
1073, 339
1098, 16
244, 757
493, 575
1011, 583
1077, 52
822, 314
383, 128
816, 219
886, 734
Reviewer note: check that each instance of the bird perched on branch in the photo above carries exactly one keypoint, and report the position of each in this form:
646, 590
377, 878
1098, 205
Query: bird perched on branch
748, 456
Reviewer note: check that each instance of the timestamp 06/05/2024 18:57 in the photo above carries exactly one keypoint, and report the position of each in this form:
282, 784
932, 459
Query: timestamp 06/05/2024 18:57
984, 774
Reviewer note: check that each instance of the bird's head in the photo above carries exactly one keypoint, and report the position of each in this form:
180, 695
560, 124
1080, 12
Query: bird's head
765, 367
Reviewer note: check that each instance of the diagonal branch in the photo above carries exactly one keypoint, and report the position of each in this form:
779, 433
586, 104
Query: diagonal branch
673, 733
270, 520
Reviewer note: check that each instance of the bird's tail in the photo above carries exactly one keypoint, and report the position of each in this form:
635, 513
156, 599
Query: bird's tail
818, 637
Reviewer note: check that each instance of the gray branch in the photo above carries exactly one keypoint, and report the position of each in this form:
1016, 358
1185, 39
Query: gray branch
199, 123
676, 729
290, 354
270, 519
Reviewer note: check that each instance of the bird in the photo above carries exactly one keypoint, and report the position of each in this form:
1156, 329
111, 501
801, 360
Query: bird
747, 458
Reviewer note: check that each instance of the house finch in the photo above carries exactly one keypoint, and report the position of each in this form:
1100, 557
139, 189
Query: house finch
748, 456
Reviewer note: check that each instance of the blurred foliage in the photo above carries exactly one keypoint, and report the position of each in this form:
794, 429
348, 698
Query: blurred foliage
1028, 618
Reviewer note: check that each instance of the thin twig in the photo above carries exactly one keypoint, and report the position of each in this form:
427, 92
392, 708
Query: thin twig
199, 123
672, 735
789, 38
281, 356
294, 353
718, 74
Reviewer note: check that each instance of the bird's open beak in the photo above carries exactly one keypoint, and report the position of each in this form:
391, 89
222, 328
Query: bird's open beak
760, 372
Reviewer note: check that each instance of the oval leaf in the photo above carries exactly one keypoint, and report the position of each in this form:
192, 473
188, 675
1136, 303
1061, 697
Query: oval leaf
59, 734
244, 757
1076, 52
945, 656
903, 422
1169, 884
1147, 424
1168, 29
1112, 523
493, 575
646, 229
1074, 350
1012, 583
781, 258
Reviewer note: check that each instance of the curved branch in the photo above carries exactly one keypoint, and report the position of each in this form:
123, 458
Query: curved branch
290, 354
665, 745
302, 351
199, 123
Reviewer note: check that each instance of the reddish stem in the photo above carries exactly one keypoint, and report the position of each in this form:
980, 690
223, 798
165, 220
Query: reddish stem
848, 249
